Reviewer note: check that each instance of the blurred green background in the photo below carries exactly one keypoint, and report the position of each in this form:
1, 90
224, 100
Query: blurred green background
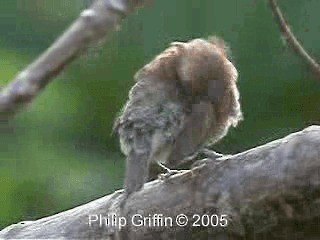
59, 152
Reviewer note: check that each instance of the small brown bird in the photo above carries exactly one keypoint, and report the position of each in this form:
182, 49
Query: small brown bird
185, 98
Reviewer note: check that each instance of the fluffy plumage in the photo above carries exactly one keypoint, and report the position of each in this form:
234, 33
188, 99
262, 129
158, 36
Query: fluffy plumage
183, 99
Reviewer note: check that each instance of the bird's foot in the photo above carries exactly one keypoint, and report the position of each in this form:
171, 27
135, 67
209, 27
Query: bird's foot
203, 153
192, 157
169, 172
211, 154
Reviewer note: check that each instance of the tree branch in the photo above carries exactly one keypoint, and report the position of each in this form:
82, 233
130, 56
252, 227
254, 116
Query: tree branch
93, 25
292, 40
271, 187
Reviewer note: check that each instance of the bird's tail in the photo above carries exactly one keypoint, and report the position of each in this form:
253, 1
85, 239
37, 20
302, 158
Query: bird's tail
137, 169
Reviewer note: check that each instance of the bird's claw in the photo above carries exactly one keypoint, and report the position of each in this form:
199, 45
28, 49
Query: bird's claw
203, 153
210, 153
169, 172
164, 176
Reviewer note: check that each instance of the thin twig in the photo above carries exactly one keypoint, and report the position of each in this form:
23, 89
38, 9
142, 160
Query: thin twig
91, 27
292, 40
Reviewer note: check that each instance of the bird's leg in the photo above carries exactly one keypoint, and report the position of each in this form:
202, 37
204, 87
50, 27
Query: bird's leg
169, 172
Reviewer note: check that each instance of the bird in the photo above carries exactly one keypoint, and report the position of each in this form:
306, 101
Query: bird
183, 100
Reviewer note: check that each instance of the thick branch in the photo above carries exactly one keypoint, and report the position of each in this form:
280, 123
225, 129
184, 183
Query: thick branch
292, 40
93, 25
259, 190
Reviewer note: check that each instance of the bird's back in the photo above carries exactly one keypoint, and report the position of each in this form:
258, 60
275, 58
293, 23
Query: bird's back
153, 106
